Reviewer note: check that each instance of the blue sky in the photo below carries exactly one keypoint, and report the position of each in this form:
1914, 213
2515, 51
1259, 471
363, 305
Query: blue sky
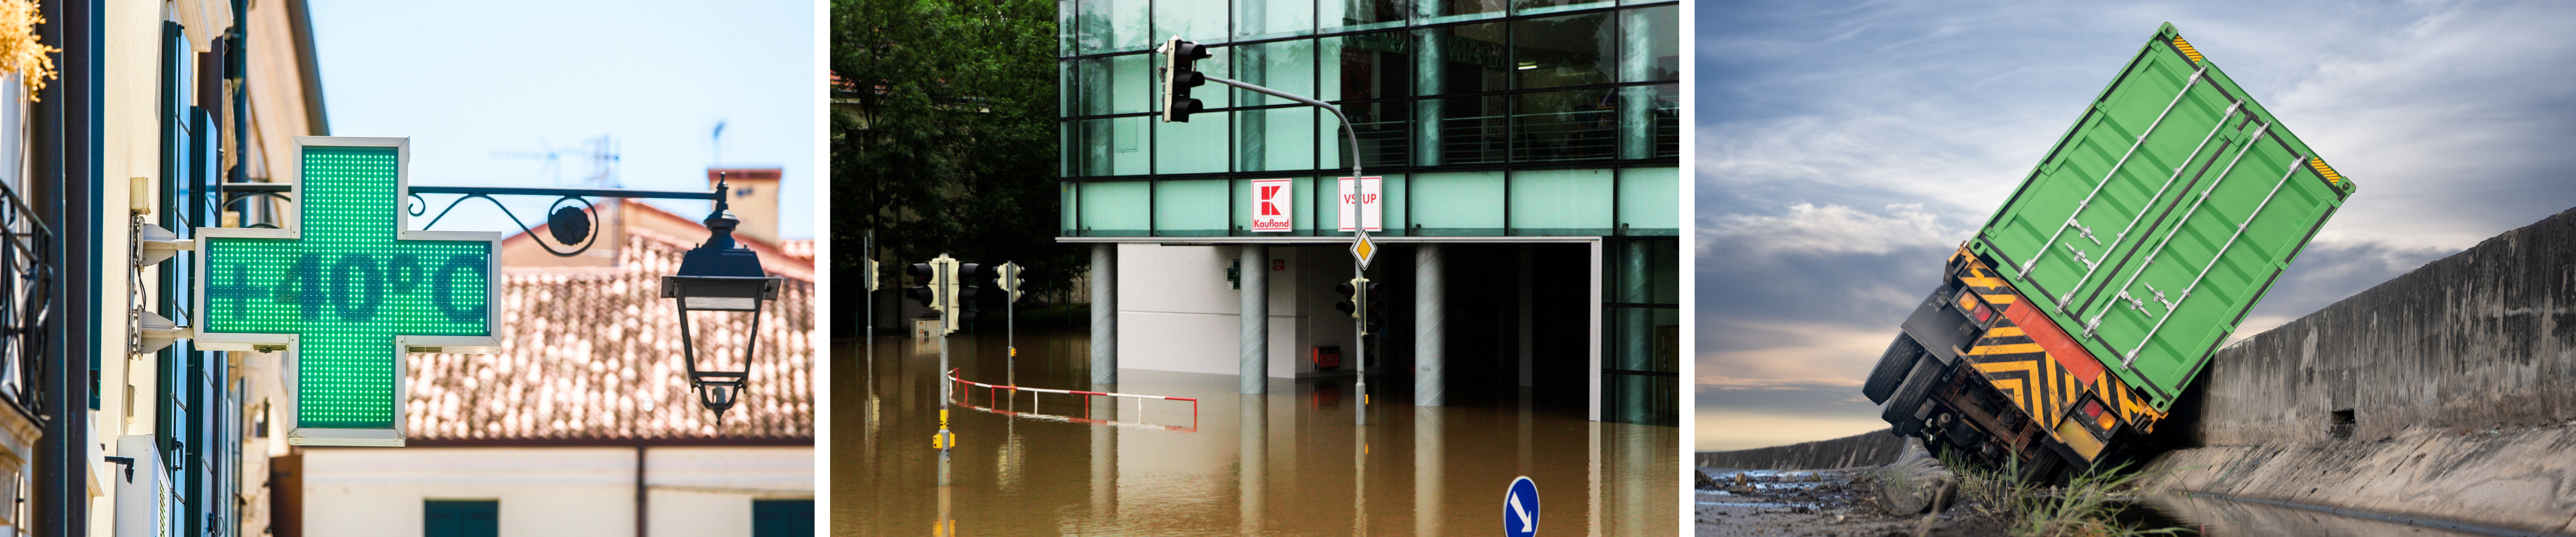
1845, 146
469, 81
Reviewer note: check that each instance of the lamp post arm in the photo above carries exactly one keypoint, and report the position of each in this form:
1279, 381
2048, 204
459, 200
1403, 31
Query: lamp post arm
1349, 136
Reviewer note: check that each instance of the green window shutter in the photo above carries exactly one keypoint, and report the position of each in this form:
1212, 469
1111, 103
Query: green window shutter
782, 518
466, 518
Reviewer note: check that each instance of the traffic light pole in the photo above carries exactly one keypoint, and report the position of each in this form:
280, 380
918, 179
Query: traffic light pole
1359, 229
868, 249
1182, 52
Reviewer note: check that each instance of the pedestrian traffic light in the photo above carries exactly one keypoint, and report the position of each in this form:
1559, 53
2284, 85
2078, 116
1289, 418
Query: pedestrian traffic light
1007, 277
1179, 75
928, 294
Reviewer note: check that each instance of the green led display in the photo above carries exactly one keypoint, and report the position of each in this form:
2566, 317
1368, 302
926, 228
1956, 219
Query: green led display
347, 287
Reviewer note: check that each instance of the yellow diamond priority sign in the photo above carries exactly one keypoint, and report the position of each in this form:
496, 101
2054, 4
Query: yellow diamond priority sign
1363, 250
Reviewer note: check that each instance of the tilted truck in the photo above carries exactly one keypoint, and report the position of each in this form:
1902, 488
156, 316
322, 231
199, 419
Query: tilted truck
2066, 328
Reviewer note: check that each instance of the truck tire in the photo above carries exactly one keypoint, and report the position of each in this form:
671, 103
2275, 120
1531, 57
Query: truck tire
1892, 366
1900, 408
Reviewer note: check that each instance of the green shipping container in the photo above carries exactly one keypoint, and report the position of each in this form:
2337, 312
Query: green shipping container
2161, 217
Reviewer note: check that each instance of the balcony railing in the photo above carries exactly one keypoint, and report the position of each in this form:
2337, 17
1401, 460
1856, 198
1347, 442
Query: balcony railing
27, 272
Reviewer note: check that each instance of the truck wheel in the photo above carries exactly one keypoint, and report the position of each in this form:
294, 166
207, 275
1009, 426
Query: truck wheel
1900, 408
1892, 365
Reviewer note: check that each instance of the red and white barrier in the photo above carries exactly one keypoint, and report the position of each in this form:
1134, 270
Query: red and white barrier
991, 396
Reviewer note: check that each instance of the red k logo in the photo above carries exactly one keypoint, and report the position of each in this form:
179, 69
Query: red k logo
1269, 201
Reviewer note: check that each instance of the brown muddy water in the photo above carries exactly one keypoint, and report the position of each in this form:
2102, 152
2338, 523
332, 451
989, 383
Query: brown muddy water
1291, 462
2218, 517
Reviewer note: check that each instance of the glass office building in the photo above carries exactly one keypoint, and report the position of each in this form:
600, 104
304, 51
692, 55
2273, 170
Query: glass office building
1550, 123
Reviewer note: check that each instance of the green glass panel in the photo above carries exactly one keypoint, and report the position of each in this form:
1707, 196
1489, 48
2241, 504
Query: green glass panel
348, 288
1115, 208
1650, 199
1201, 21
1563, 202
1194, 146
1279, 139
1456, 203
1195, 207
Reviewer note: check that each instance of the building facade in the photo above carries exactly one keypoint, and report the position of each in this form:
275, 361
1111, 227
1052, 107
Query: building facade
584, 423
1529, 210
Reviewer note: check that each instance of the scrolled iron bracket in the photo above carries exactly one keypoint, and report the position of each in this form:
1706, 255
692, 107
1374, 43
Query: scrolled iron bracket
560, 216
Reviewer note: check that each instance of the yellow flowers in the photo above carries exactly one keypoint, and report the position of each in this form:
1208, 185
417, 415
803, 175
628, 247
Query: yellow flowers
20, 53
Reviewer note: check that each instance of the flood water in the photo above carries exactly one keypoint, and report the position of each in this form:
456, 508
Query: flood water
1291, 462
2218, 517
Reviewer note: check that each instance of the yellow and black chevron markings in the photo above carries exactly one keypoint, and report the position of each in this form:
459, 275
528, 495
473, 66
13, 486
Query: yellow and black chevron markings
2018, 367
2185, 47
2039, 368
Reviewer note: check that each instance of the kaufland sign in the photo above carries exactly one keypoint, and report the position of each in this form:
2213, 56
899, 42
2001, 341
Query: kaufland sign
1270, 205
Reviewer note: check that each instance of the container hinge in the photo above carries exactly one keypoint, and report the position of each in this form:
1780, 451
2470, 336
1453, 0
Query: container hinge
2160, 296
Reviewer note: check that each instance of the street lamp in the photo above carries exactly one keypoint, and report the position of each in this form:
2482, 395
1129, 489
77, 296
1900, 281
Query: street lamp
719, 276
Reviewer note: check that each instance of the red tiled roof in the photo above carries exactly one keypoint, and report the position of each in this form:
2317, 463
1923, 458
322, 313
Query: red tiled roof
798, 248
595, 355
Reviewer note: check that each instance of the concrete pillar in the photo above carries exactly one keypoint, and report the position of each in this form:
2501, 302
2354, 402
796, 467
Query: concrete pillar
1430, 66
1253, 452
1104, 461
1428, 493
1255, 335
1104, 313
1430, 368
1636, 104
1528, 311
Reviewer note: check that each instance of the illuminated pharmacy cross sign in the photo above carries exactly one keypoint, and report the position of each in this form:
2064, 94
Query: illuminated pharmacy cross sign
347, 291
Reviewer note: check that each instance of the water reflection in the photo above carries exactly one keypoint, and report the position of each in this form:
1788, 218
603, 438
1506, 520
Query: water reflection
2217, 517
1288, 463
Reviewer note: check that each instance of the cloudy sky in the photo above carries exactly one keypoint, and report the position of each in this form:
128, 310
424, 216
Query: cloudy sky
484, 88
1846, 146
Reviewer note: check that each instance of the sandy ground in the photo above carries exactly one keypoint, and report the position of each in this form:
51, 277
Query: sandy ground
1812, 503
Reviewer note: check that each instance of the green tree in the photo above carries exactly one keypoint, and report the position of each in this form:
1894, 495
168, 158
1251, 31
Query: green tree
944, 135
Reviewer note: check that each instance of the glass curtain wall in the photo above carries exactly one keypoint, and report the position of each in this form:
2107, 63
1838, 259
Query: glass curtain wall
1641, 361
1427, 83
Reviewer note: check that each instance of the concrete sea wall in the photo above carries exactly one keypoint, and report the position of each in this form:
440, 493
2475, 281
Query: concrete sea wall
2447, 393
2483, 339
1865, 449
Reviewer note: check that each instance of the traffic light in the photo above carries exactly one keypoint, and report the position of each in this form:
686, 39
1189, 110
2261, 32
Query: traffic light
931, 289
1007, 277
871, 280
962, 302
1350, 303
1179, 76
1377, 309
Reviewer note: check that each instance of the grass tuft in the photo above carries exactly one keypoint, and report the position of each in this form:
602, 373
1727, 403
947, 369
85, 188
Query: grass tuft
2085, 507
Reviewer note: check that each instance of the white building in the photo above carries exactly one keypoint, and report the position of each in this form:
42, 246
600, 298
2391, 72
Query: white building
584, 425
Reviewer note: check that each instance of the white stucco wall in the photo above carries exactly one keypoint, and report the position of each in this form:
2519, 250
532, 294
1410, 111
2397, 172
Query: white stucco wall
551, 492
1177, 312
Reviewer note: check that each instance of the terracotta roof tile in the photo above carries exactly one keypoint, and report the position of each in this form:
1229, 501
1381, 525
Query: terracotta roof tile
596, 355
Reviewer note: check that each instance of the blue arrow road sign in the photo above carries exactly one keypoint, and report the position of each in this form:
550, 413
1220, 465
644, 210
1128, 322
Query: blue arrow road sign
1520, 508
